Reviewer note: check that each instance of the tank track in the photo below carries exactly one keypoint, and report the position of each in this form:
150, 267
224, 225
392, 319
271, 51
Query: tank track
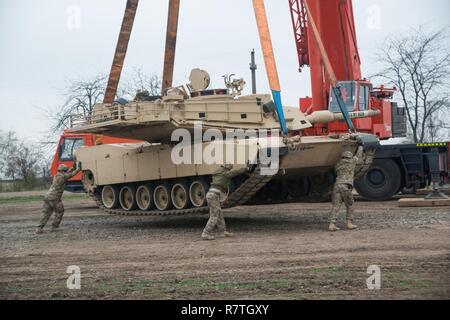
154, 213
239, 197
247, 189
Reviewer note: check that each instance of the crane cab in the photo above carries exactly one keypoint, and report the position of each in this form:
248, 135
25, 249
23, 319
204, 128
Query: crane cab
360, 96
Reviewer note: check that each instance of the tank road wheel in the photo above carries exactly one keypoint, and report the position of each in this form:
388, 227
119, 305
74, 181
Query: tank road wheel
180, 196
381, 182
197, 193
110, 197
161, 197
144, 197
127, 198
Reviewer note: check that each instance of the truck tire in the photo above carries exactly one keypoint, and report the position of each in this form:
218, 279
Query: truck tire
381, 182
299, 188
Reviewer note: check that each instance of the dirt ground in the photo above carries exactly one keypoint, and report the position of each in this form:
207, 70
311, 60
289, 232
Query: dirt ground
279, 252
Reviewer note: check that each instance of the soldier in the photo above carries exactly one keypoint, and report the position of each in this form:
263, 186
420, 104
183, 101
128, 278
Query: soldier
52, 200
345, 176
220, 182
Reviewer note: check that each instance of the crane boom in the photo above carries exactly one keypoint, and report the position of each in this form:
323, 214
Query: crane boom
171, 44
325, 37
329, 70
121, 51
299, 22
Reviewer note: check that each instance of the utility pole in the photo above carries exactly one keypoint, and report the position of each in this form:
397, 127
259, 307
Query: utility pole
253, 68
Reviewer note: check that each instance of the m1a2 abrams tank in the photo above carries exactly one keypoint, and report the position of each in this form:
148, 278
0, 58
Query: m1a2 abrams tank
187, 134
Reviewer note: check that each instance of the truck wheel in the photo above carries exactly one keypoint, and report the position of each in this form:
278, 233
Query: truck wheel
127, 198
381, 182
180, 196
110, 197
197, 193
144, 197
161, 197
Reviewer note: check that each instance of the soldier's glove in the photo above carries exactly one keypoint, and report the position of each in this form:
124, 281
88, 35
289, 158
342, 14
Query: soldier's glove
360, 141
357, 138
250, 167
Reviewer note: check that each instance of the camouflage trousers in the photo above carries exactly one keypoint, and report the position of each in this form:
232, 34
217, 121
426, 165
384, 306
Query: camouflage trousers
342, 193
49, 207
215, 212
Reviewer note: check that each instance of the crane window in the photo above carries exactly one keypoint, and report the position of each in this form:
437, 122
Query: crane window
348, 91
67, 148
363, 101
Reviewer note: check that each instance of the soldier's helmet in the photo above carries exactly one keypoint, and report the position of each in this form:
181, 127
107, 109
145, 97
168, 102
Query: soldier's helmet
347, 155
63, 167
227, 166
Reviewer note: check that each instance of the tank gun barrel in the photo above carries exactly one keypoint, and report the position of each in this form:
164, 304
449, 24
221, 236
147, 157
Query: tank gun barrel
328, 116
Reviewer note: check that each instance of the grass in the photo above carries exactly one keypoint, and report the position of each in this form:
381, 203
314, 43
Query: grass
413, 281
328, 270
20, 185
187, 286
221, 286
38, 198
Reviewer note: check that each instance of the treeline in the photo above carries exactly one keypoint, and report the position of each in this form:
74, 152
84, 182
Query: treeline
23, 166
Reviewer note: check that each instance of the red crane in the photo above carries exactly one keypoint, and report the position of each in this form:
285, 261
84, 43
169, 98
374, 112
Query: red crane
334, 42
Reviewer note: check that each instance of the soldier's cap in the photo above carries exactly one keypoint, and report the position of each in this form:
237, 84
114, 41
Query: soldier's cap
63, 167
347, 155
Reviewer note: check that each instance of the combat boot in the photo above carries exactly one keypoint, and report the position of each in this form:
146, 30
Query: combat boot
54, 229
39, 230
207, 236
351, 226
333, 227
226, 234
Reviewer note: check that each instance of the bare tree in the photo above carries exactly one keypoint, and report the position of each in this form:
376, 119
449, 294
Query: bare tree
419, 66
20, 160
80, 98
7, 141
138, 81
82, 95
23, 163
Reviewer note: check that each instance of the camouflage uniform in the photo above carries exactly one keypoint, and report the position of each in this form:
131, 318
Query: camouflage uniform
220, 183
343, 188
52, 200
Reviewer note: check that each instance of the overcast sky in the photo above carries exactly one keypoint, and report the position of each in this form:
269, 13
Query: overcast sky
43, 43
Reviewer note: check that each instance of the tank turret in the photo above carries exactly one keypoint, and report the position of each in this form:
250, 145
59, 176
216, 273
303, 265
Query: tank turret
222, 109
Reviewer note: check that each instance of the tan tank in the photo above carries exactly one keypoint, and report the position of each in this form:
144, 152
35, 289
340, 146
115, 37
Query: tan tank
164, 176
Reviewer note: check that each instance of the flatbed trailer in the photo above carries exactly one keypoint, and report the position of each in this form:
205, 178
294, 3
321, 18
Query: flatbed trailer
404, 168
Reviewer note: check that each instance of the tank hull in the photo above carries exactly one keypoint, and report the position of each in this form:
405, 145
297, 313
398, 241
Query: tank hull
142, 164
